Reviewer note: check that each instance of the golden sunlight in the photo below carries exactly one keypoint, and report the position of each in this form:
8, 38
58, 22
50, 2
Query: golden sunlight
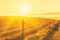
24, 10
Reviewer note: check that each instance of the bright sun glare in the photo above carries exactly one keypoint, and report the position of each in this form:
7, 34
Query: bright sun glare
24, 10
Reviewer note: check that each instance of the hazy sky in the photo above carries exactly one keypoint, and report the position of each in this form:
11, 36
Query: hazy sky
13, 7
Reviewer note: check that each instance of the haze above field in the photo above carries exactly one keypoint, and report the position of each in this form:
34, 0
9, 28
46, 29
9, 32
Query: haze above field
41, 8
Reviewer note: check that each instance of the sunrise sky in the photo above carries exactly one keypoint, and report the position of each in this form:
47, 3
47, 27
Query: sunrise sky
30, 7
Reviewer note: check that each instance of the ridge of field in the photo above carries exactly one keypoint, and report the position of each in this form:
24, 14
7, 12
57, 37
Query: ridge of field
35, 28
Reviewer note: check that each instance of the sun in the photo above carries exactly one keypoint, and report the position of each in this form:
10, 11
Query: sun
24, 10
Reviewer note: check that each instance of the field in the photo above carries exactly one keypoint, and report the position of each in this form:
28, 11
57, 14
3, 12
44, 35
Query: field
29, 28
